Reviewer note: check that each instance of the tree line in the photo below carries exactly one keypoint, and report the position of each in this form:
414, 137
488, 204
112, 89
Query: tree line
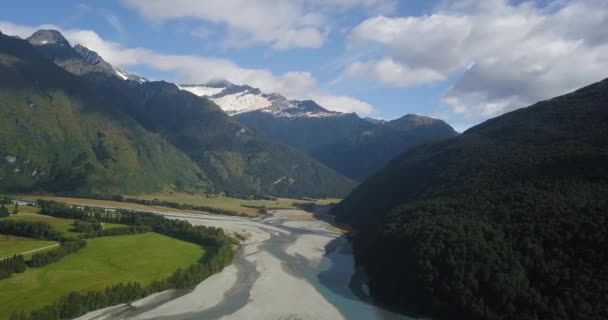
29, 229
41, 259
128, 230
170, 204
88, 226
10, 265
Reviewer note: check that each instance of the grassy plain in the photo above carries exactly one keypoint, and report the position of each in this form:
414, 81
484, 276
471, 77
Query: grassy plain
221, 202
234, 204
65, 226
11, 245
104, 262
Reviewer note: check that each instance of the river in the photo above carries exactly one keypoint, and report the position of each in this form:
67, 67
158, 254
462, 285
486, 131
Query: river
291, 266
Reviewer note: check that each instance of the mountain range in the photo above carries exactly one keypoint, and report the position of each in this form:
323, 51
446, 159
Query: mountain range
505, 221
239, 140
222, 155
59, 135
352, 146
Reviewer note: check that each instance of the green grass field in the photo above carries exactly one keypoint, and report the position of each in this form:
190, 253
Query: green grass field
65, 226
105, 261
234, 204
10, 245
221, 202
26, 209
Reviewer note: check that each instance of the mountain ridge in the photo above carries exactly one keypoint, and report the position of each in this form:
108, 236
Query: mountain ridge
237, 160
506, 220
237, 99
360, 155
55, 136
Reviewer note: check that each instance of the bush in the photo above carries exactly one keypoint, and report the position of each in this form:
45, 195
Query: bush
36, 230
4, 211
41, 259
10, 265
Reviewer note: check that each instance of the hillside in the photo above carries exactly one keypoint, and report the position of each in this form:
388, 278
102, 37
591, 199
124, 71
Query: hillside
506, 221
57, 134
237, 161
361, 154
350, 145
304, 125
305, 133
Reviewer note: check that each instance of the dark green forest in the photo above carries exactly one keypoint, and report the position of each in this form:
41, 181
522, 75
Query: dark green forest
360, 155
10, 265
506, 221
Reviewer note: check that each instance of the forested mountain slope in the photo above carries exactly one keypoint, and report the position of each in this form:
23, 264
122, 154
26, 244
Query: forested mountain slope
239, 160
506, 221
350, 145
236, 160
57, 134
361, 154
306, 133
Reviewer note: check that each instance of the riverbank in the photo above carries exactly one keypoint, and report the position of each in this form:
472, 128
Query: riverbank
290, 266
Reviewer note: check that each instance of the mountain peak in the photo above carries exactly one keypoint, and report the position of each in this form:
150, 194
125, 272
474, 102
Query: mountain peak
48, 36
410, 121
236, 99
92, 57
374, 120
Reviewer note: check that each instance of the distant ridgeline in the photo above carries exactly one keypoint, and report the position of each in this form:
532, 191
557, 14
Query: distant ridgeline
507, 221
219, 253
73, 124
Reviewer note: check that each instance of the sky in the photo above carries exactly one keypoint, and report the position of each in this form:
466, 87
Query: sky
463, 61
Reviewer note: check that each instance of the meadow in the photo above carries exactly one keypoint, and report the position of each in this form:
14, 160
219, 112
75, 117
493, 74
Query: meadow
103, 262
65, 226
234, 204
11, 245
244, 206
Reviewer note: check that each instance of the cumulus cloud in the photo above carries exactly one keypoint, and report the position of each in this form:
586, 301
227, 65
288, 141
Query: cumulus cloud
388, 71
278, 23
502, 56
200, 69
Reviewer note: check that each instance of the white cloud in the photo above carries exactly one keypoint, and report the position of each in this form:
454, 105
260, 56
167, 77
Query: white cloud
503, 56
199, 69
114, 21
389, 72
280, 24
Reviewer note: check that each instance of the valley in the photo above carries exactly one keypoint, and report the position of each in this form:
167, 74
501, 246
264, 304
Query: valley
147, 202
290, 266
303, 160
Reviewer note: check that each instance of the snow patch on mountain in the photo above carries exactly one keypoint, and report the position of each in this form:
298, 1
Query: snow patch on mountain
121, 74
235, 99
201, 91
129, 76
241, 102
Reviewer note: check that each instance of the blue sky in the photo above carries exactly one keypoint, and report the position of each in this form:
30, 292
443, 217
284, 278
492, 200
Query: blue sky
463, 61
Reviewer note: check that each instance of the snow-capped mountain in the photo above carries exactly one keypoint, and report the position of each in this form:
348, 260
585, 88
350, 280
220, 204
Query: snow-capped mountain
78, 60
43, 37
236, 99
